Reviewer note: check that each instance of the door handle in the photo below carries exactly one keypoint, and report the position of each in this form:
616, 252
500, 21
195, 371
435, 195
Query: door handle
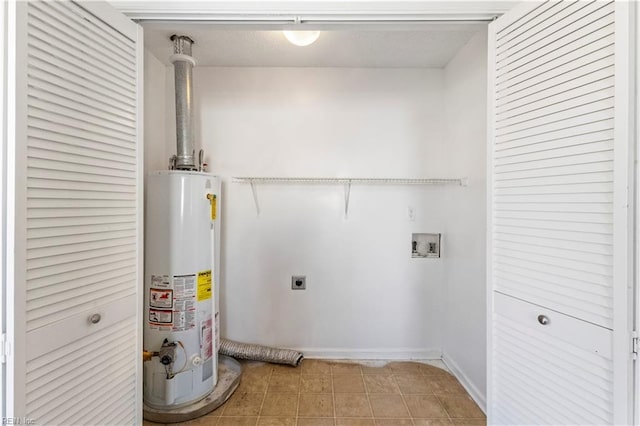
95, 318
543, 319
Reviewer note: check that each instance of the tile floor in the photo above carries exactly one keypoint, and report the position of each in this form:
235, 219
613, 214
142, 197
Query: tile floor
334, 393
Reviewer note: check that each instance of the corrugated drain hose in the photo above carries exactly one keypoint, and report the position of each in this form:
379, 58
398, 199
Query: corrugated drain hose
259, 353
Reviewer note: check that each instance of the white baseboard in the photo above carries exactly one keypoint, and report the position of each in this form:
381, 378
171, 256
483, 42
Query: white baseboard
377, 354
474, 392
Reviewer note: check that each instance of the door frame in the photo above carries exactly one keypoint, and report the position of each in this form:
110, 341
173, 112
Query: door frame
625, 170
15, 219
277, 14
3, 167
280, 12
627, 133
636, 89
219, 10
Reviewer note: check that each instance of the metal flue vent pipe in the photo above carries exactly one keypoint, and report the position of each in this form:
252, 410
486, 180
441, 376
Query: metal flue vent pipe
183, 64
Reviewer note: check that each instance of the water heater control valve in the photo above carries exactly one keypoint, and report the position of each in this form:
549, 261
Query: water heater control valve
167, 353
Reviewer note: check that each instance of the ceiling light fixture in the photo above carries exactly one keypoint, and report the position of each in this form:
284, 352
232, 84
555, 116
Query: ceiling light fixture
301, 38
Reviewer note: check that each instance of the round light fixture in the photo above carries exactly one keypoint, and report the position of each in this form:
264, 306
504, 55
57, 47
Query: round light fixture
301, 38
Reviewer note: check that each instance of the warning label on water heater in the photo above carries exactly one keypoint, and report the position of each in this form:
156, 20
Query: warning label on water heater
204, 285
160, 317
184, 286
206, 338
160, 304
184, 302
160, 281
160, 298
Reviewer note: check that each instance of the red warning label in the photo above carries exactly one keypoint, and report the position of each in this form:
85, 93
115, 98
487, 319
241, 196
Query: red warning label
206, 338
160, 317
161, 298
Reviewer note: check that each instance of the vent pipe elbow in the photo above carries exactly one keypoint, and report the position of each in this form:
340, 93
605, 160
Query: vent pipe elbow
183, 64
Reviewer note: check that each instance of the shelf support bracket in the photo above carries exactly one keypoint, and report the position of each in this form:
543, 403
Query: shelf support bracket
347, 194
255, 196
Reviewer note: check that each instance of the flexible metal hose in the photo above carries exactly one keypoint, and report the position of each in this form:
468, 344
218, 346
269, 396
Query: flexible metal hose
259, 353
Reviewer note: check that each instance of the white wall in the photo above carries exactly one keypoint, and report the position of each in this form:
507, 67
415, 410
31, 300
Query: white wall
365, 296
464, 341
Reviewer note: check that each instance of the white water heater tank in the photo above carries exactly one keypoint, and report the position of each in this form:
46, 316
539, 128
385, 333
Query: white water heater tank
181, 274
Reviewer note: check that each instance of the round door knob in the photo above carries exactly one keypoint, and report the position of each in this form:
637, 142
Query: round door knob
543, 319
95, 318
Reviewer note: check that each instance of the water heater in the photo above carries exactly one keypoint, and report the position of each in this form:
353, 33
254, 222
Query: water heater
181, 271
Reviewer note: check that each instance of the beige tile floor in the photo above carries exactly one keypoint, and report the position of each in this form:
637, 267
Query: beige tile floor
334, 393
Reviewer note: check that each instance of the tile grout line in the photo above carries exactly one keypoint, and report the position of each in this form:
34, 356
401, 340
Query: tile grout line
404, 401
413, 420
299, 394
333, 395
438, 398
444, 408
264, 398
406, 406
366, 392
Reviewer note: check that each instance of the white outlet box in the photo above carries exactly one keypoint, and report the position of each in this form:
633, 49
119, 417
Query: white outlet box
298, 282
411, 213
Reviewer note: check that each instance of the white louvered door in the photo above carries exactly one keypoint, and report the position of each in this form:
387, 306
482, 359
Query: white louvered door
560, 221
74, 204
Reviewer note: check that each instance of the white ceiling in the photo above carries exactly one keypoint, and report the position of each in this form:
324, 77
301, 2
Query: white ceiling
424, 45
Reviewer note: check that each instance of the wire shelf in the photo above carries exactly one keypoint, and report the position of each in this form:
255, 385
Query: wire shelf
346, 182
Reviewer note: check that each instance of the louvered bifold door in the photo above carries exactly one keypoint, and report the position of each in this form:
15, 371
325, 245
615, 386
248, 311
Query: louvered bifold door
559, 230
77, 224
